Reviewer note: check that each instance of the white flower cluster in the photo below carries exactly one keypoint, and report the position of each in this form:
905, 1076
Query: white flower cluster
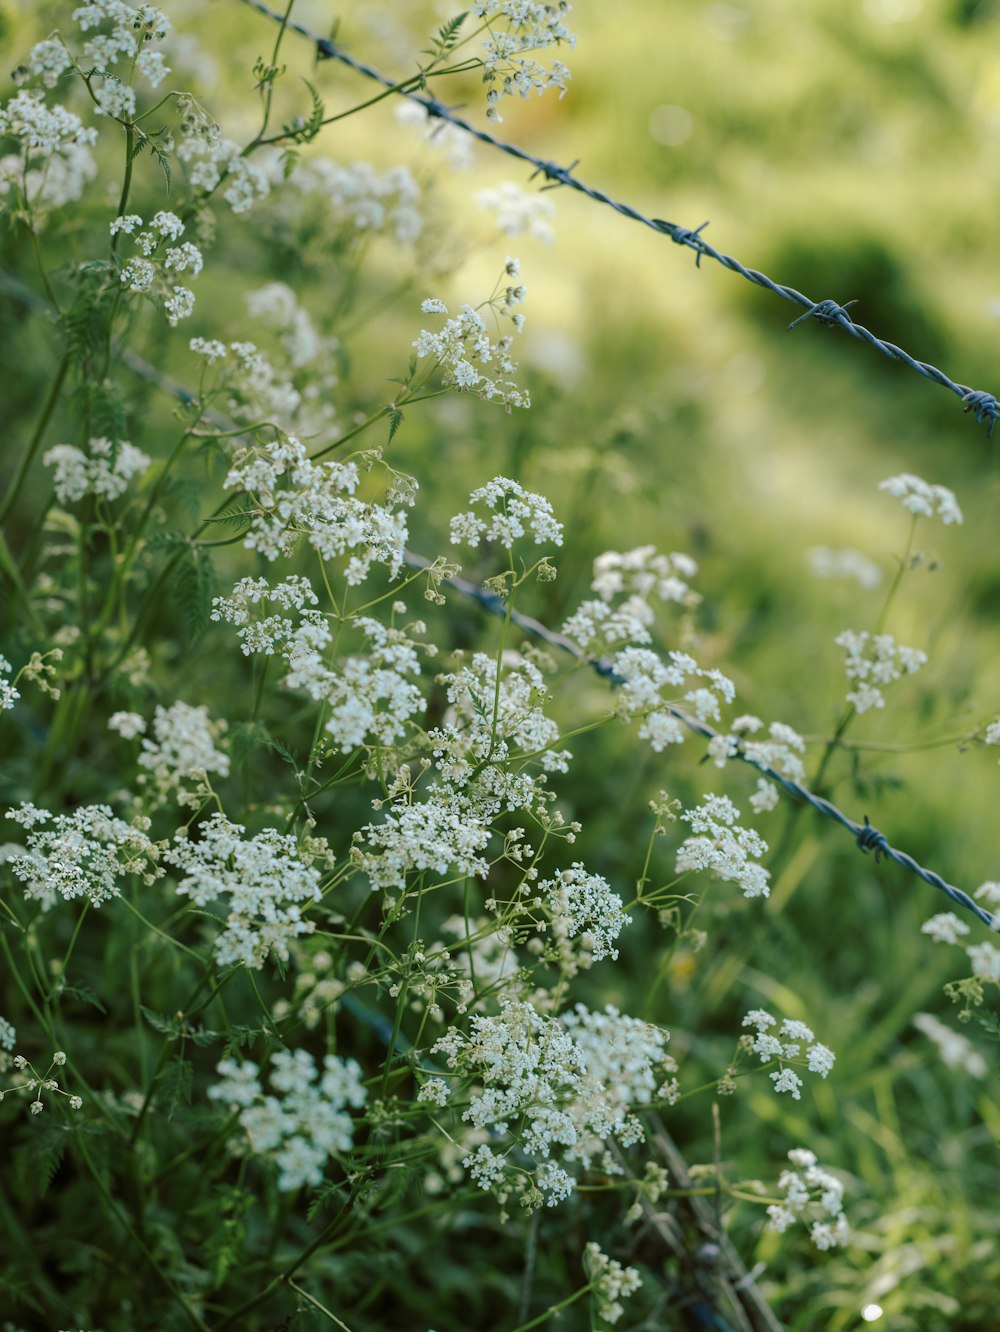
463, 346
991, 736
644, 674
53, 163
810, 1191
516, 27
626, 584
946, 927
449, 140
610, 1283
826, 562
38, 1082
511, 512
83, 854
583, 904
297, 497
480, 760
277, 304
780, 752
8, 1036
261, 882
542, 1082
270, 632
152, 271
956, 1050
875, 660
920, 497
213, 161
105, 470
128, 725
303, 1121
368, 697
722, 846
183, 749
520, 211
129, 31
8, 694
786, 1044
383, 202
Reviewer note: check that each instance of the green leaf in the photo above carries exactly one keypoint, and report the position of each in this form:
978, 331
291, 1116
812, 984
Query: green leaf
173, 1086
192, 587
166, 1024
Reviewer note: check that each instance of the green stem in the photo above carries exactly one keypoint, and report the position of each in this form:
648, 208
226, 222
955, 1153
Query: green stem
48, 407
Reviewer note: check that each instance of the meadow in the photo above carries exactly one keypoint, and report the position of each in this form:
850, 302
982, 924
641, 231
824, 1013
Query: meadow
424, 591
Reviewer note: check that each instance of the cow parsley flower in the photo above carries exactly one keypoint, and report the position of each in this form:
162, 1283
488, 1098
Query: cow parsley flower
262, 883
811, 1194
213, 161
721, 845
784, 1042
920, 497
985, 959
8, 693
826, 562
956, 1050
463, 347
356, 195
645, 675
105, 470
562, 1089
945, 927
519, 211
515, 27
511, 512
303, 1120
182, 750
610, 1283
875, 661
297, 498
83, 854
583, 904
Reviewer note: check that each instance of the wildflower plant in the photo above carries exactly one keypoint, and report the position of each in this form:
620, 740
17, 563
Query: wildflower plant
303, 866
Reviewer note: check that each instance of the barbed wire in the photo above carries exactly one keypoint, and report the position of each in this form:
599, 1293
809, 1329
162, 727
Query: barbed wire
984, 406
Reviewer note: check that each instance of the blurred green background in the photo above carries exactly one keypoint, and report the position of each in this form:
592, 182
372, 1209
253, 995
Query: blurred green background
846, 148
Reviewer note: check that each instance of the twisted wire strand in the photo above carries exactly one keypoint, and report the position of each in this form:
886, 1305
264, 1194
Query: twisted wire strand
983, 405
865, 836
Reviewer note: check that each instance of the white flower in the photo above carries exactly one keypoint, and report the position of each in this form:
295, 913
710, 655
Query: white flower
985, 959
511, 512
520, 211
945, 927
875, 661
724, 847
920, 497
127, 724
846, 563
182, 748
262, 883
463, 347
306, 1123
956, 1050
83, 854
296, 497
8, 694
106, 470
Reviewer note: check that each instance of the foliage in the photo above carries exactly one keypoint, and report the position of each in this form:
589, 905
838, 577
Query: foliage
370, 960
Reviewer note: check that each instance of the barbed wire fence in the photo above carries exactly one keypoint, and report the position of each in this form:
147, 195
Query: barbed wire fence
984, 405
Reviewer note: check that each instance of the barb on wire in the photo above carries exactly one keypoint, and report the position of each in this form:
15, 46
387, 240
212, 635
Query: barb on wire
983, 405
866, 837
